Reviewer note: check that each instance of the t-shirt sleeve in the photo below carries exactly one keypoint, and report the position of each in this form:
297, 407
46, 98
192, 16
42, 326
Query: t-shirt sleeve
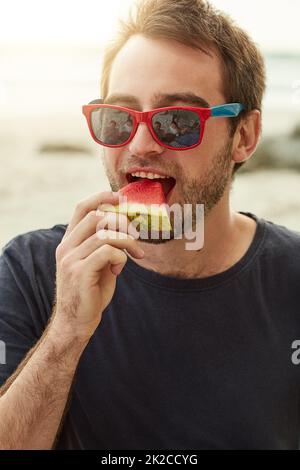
25, 303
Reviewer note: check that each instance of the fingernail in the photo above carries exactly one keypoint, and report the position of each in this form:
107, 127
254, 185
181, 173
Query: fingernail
131, 236
100, 213
141, 252
102, 234
117, 269
135, 235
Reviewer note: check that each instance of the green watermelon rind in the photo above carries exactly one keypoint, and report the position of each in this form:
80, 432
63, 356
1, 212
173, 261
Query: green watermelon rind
152, 216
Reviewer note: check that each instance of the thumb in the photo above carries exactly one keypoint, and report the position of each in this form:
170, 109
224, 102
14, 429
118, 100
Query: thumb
117, 268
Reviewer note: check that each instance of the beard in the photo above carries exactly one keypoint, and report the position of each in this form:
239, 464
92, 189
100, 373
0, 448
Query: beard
207, 189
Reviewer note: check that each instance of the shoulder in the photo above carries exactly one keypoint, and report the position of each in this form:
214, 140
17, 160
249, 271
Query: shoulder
280, 239
280, 250
52, 236
35, 244
275, 246
27, 283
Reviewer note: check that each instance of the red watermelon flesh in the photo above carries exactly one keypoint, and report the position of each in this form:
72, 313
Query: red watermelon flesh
145, 200
144, 191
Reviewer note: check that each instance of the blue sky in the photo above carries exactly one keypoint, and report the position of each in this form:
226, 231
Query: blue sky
272, 24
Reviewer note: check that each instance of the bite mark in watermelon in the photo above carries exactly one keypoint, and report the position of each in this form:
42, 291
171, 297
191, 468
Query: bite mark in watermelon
146, 202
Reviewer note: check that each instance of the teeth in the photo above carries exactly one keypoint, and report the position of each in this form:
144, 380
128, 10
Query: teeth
151, 176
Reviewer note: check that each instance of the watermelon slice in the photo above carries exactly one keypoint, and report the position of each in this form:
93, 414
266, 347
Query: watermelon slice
145, 204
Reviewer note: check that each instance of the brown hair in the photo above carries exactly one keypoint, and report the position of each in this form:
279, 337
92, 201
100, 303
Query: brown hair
197, 24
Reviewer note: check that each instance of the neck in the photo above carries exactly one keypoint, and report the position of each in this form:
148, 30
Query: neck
227, 237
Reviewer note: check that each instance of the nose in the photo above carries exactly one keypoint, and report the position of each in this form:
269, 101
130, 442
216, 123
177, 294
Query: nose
143, 141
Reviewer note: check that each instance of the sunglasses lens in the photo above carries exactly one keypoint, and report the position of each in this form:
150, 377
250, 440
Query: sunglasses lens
177, 127
111, 126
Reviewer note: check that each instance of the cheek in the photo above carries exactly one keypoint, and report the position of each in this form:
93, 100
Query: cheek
216, 134
111, 158
192, 163
196, 162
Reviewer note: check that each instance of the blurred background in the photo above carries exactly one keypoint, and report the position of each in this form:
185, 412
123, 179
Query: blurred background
50, 64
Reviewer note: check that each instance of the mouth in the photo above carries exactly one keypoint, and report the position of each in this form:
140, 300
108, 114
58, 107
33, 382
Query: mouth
168, 182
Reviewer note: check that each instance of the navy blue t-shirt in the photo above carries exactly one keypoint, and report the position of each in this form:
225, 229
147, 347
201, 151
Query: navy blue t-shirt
175, 363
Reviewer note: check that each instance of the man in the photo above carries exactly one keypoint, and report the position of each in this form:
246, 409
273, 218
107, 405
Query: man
158, 347
159, 130
111, 132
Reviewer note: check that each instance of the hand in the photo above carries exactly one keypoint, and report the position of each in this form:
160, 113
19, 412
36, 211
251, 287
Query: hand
88, 261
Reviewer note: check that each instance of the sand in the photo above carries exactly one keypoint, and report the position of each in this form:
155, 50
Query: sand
42, 106
39, 191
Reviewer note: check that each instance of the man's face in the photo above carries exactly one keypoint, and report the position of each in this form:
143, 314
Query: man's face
145, 67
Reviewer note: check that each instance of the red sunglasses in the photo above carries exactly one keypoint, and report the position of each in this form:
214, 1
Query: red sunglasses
173, 127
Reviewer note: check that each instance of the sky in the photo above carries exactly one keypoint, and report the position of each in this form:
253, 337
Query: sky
273, 24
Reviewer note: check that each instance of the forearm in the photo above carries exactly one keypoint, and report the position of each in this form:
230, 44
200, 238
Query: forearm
33, 400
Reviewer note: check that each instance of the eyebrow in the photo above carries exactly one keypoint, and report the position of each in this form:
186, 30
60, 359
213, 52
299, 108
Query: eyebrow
160, 100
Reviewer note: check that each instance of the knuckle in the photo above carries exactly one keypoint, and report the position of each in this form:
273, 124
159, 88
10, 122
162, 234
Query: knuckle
60, 251
80, 206
91, 216
123, 257
66, 263
107, 250
76, 271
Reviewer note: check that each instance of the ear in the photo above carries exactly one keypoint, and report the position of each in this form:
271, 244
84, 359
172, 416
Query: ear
246, 137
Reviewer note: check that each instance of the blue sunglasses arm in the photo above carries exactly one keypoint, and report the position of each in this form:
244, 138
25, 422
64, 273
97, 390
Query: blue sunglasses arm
227, 110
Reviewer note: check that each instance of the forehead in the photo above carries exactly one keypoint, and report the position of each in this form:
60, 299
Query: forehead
146, 67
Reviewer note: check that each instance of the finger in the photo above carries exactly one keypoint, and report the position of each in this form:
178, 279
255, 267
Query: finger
89, 204
103, 256
118, 239
116, 222
82, 231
